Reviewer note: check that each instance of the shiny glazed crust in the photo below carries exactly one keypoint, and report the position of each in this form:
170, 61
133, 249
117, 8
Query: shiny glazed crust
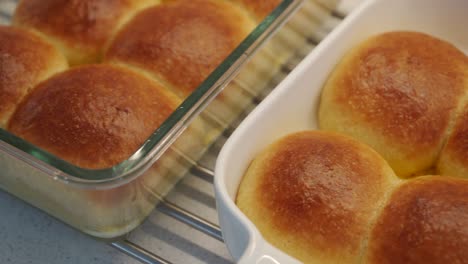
25, 60
80, 28
425, 221
397, 92
93, 116
181, 42
313, 195
98, 115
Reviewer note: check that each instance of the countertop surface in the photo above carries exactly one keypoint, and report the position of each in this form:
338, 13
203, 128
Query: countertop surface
27, 235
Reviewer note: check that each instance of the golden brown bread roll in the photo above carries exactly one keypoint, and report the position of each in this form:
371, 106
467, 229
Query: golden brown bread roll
453, 160
404, 94
25, 60
397, 92
93, 116
181, 42
259, 8
96, 116
313, 195
425, 221
79, 28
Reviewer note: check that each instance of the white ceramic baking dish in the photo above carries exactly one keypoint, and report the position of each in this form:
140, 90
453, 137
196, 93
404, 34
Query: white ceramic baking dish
293, 104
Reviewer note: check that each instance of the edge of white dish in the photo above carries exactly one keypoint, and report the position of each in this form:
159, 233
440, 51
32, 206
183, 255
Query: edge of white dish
292, 106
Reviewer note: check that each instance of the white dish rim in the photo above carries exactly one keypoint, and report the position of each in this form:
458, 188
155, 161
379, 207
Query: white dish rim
257, 249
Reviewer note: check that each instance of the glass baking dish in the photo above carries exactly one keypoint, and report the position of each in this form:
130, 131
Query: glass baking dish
108, 203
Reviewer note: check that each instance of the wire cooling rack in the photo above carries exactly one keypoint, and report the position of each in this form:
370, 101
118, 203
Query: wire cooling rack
184, 226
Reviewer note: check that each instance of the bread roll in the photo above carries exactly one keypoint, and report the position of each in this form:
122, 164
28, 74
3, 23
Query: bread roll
25, 60
181, 42
313, 195
425, 221
93, 116
397, 92
79, 28
454, 158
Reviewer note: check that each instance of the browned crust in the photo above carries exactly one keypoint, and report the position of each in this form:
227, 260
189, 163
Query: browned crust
321, 188
82, 25
181, 42
403, 85
457, 145
93, 116
25, 60
425, 221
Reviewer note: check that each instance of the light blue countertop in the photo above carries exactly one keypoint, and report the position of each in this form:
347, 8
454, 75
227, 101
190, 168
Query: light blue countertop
27, 235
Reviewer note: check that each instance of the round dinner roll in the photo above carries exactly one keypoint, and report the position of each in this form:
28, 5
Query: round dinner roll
313, 195
425, 221
81, 29
397, 92
259, 8
25, 60
181, 42
453, 160
93, 116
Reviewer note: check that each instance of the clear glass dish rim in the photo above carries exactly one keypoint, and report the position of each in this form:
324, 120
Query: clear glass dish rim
162, 137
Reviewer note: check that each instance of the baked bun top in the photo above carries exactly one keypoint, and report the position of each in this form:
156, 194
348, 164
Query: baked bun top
397, 92
181, 42
80, 28
313, 194
25, 60
327, 198
425, 221
93, 116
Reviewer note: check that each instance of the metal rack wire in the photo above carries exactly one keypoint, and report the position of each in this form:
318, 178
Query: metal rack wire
203, 170
184, 227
